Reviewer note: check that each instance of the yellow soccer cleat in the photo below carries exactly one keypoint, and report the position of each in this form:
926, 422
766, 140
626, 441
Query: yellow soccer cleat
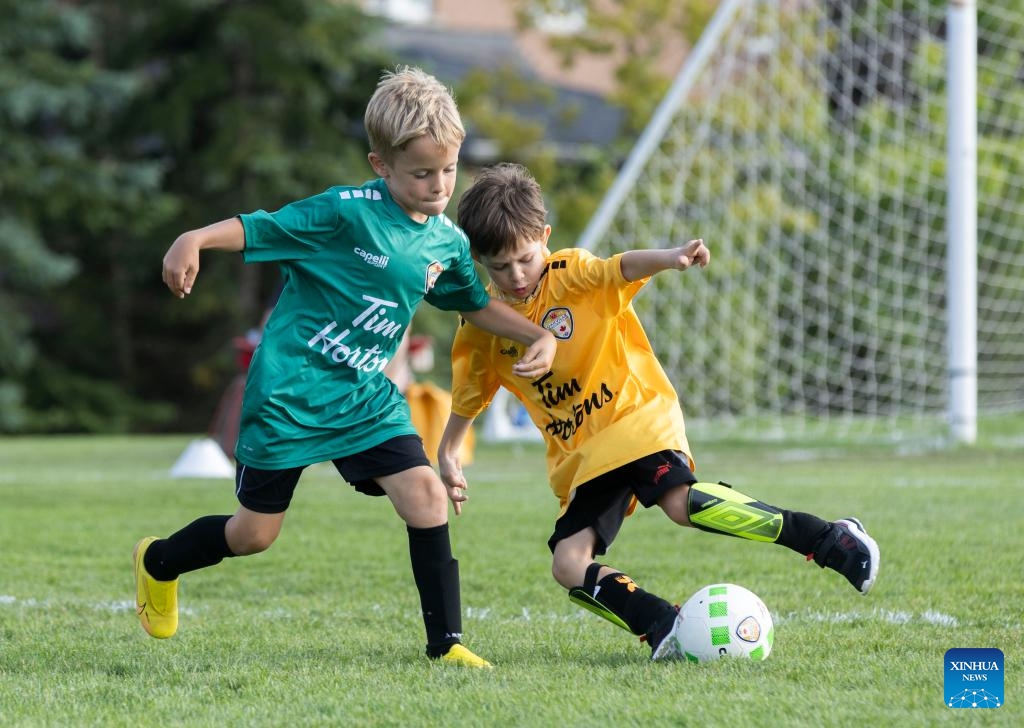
156, 602
460, 655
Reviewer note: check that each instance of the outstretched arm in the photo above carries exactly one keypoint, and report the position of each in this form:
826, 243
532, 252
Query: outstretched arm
500, 320
181, 262
448, 459
637, 264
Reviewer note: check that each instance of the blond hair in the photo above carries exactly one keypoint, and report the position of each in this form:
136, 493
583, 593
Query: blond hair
408, 104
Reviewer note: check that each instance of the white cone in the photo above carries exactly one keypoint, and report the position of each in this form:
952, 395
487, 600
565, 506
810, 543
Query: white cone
203, 459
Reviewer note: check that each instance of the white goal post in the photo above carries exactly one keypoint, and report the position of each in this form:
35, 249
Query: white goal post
865, 217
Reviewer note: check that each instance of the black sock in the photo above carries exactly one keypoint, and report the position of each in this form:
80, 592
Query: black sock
437, 579
801, 531
199, 544
639, 609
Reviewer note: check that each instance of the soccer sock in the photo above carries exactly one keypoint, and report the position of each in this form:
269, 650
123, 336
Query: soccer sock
437, 578
718, 508
802, 531
200, 544
618, 599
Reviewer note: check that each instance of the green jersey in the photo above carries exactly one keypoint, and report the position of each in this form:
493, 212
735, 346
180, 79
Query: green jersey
354, 269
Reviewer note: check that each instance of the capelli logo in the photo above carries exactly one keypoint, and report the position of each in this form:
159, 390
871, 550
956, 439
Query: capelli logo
377, 261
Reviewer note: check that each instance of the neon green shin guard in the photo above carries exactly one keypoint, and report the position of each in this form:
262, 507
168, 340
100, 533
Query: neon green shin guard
718, 508
580, 597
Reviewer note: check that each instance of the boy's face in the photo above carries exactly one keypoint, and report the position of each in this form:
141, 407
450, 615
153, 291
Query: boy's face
421, 177
517, 271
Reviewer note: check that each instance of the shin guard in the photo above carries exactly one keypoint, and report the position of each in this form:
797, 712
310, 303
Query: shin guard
718, 508
618, 599
580, 597
584, 596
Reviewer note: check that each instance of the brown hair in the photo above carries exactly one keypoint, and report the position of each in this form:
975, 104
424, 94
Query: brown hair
503, 206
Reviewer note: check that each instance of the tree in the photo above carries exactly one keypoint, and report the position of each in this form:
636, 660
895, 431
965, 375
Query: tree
640, 34
133, 122
49, 97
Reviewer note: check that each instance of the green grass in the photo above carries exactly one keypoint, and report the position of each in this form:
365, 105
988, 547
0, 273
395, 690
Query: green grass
323, 629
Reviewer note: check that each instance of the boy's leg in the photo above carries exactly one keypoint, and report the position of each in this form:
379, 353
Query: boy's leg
843, 545
436, 573
206, 541
399, 468
159, 562
614, 596
585, 530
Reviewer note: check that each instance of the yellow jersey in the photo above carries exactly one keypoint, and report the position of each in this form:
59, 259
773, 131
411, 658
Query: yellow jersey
606, 401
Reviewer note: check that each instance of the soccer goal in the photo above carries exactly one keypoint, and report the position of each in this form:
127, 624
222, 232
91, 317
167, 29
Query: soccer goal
808, 142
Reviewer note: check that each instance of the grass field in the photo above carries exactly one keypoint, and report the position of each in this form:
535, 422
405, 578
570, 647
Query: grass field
323, 629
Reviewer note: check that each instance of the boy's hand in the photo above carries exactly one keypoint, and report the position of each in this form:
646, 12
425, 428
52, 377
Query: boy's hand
181, 263
637, 264
694, 252
451, 475
181, 266
538, 358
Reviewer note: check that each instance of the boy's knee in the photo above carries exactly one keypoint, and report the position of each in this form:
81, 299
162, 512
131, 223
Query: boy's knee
426, 515
421, 501
251, 543
246, 539
567, 572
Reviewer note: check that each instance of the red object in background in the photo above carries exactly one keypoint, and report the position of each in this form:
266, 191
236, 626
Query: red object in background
421, 353
224, 425
245, 347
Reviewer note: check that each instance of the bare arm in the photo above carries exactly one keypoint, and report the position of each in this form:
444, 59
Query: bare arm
448, 459
181, 262
637, 264
500, 320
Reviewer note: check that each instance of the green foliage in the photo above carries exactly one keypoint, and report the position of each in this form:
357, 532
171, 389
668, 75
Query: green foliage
324, 627
641, 35
126, 123
749, 176
42, 89
573, 190
61, 400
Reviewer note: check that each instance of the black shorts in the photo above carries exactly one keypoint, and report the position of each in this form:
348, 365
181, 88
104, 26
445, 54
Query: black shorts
602, 503
270, 491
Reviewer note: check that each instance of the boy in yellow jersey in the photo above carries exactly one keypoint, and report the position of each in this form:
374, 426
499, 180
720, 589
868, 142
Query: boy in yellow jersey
611, 418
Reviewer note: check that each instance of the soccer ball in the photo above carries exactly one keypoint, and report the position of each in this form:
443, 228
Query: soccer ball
723, 620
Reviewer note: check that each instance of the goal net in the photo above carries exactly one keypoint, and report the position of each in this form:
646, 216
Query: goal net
808, 149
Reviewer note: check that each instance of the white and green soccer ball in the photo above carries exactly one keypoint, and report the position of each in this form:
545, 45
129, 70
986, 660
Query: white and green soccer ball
723, 620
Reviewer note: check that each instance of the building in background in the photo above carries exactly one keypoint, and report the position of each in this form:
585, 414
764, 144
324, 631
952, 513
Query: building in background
451, 38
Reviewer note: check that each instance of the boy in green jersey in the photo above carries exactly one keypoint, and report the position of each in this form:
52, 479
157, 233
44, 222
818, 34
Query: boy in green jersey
355, 263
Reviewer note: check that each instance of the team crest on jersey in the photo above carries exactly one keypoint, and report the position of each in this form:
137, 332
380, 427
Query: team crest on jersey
434, 270
558, 321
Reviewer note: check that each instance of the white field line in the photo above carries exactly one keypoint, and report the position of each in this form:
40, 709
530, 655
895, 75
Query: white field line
525, 614
877, 614
121, 605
